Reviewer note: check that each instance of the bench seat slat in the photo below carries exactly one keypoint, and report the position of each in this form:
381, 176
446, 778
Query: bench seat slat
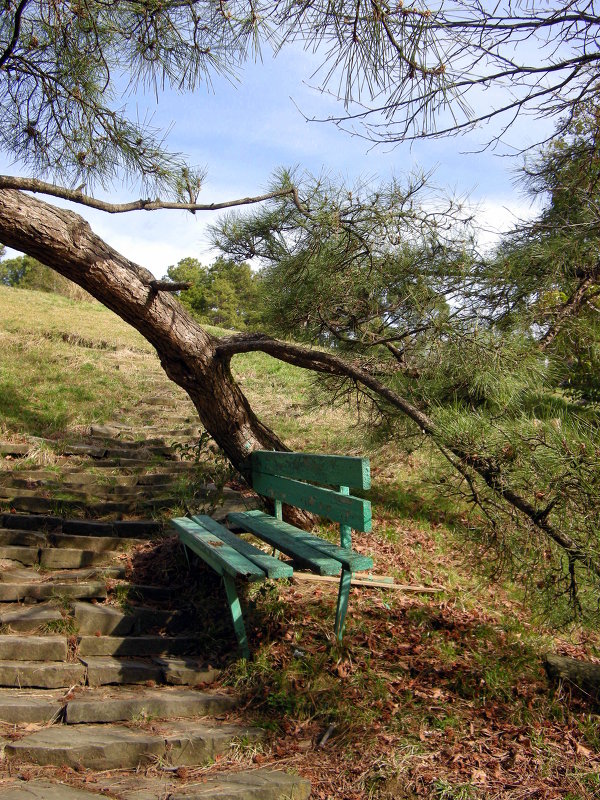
273, 567
276, 534
331, 470
217, 553
352, 511
300, 545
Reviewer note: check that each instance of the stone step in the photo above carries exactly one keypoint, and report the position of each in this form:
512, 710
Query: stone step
187, 671
24, 706
94, 544
113, 746
125, 705
104, 620
23, 501
20, 574
15, 592
33, 648
13, 486
14, 449
19, 538
254, 784
40, 674
44, 523
104, 670
109, 704
43, 790
140, 646
24, 555
108, 670
72, 558
26, 619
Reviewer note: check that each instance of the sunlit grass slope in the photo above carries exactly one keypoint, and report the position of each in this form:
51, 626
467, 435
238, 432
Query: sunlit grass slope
65, 364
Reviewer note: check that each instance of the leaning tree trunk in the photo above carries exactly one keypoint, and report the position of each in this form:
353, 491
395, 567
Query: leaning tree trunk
582, 674
188, 353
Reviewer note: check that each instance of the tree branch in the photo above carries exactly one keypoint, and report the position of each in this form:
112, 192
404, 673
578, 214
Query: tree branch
569, 308
169, 286
16, 31
329, 364
76, 196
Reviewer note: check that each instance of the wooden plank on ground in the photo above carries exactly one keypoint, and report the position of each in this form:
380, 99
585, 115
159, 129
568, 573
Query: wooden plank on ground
273, 567
330, 470
358, 581
212, 549
352, 511
277, 534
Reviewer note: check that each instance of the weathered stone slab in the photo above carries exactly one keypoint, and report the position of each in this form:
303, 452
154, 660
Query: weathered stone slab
253, 784
24, 555
191, 743
32, 503
267, 784
14, 449
150, 619
21, 538
40, 674
127, 705
81, 527
83, 450
43, 790
138, 529
104, 670
185, 671
135, 645
31, 522
21, 706
96, 544
98, 620
33, 648
14, 592
30, 618
71, 558
18, 574
111, 746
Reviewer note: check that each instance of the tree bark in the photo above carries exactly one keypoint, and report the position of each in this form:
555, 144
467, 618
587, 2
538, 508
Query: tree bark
188, 353
582, 674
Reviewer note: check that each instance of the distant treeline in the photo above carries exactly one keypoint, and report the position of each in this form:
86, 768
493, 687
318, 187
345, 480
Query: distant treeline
25, 272
225, 293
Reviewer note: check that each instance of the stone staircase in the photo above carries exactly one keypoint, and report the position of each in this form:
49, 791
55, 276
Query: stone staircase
106, 654
92, 684
144, 464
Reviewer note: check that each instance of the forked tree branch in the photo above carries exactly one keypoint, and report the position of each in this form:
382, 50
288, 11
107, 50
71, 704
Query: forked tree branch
330, 364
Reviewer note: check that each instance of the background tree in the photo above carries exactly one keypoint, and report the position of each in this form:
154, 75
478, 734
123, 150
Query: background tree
25, 272
225, 294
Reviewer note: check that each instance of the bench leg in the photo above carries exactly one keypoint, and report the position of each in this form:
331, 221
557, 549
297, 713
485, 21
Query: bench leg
236, 614
342, 604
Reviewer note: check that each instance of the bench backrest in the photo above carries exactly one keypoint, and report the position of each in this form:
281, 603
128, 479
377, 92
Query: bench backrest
283, 478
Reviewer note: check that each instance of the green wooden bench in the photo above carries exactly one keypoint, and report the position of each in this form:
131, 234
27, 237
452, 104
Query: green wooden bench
288, 478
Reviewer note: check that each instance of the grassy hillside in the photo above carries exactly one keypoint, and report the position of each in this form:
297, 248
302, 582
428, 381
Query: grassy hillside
66, 364
438, 696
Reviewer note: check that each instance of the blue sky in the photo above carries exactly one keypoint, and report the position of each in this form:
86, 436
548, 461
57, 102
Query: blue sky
242, 133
